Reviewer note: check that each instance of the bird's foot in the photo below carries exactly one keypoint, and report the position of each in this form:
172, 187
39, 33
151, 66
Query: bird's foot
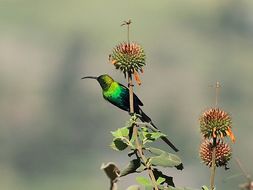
130, 85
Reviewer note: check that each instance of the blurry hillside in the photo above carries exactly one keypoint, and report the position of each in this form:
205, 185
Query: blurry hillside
55, 128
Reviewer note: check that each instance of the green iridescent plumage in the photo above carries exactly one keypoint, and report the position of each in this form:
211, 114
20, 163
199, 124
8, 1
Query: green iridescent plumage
118, 95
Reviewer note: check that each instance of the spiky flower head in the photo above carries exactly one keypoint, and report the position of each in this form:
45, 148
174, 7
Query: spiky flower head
129, 58
222, 156
215, 122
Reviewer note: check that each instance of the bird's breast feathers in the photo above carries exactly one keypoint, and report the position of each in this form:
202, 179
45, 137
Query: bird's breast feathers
113, 92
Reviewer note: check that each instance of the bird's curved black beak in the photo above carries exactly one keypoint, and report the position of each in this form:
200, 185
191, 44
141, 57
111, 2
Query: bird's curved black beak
90, 77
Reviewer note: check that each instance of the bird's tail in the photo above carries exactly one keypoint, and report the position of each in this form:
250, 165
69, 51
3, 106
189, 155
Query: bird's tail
147, 119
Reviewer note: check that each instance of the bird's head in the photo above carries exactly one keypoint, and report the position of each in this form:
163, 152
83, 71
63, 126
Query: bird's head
105, 80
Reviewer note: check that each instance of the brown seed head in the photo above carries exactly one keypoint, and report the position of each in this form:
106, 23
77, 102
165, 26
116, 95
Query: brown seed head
223, 153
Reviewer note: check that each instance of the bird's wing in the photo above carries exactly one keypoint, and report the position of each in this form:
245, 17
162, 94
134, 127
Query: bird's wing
136, 99
120, 103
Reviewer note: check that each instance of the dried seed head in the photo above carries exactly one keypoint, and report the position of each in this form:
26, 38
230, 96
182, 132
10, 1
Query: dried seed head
216, 123
223, 153
128, 57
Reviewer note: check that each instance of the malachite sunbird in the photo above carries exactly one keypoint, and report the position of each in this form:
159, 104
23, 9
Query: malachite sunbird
118, 95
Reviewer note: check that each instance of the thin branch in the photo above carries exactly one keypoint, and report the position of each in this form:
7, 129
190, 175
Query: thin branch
128, 29
131, 94
213, 168
135, 133
113, 186
139, 148
217, 90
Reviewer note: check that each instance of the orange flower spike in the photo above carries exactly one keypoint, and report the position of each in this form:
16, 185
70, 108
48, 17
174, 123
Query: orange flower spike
231, 135
227, 132
214, 134
137, 77
113, 62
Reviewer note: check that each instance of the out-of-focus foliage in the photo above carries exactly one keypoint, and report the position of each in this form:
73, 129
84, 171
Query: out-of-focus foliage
54, 127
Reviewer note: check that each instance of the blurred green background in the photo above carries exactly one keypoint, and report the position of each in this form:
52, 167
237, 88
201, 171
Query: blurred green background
55, 128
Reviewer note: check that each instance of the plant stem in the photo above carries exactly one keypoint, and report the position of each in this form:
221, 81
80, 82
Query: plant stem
217, 89
113, 186
128, 32
213, 167
213, 164
131, 93
135, 133
139, 149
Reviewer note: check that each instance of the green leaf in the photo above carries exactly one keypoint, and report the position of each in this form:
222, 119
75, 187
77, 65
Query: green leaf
143, 181
165, 160
204, 188
119, 144
149, 188
141, 168
129, 123
155, 151
121, 132
133, 187
151, 136
160, 180
132, 120
131, 167
156, 135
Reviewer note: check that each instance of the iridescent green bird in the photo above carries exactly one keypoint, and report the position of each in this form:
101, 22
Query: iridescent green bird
118, 95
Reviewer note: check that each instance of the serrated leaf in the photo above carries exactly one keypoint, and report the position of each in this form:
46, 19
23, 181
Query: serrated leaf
151, 136
142, 133
124, 131
121, 132
143, 181
144, 129
165, 160
145, 140
160, 180
131, 167
119, 144
156, 135
133, 187
129, 123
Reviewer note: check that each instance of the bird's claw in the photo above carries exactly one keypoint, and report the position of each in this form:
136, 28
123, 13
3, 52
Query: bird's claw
130, 85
